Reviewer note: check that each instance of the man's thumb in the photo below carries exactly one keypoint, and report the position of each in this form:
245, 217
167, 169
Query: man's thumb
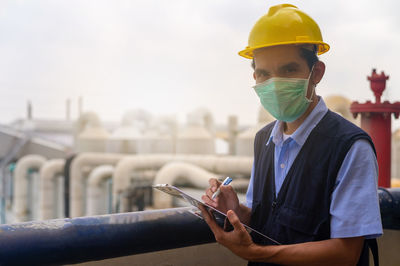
234, 219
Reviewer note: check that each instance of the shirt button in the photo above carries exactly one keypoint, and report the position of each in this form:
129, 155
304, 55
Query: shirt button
282, 165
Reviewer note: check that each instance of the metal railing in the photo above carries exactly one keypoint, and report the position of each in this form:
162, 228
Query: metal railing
389, 201
64, 241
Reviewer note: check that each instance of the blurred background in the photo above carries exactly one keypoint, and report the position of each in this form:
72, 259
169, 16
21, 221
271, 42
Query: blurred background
170, 57
119, 80
100, 100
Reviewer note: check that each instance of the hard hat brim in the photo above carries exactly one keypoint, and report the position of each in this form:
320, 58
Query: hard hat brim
248, 52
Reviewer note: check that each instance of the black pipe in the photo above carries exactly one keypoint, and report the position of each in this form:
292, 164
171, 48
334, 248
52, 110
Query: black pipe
389, 201
65, 241
67, 166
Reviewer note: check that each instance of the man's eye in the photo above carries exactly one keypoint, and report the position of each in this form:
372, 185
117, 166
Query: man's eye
291, 70
262, 74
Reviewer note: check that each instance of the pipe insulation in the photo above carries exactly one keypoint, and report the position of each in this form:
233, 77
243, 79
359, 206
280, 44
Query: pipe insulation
77, 192
126, 165
20, 197
213, 163
70, 241
67, 241
48, 173
170, 172
95, 191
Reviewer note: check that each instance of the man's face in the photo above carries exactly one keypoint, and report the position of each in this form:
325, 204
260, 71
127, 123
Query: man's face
279, 61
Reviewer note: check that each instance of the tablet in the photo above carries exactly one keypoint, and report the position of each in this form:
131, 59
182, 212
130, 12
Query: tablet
176, 192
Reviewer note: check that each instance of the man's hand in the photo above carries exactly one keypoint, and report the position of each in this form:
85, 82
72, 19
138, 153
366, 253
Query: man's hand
238, 241
336, 251
226, 200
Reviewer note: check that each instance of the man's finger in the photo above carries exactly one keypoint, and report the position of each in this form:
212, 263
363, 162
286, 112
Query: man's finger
214, 184
209, 193
210, 220
209, 201
234, 220
226, 189
206, 215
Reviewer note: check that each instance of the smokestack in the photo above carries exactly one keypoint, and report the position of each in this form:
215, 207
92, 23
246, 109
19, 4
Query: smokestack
29, 111
68, 109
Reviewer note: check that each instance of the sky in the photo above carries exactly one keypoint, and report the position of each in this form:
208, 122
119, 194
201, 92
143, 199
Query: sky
172, 57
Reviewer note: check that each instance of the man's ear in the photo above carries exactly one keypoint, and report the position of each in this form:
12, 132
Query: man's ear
318, 72
254, 75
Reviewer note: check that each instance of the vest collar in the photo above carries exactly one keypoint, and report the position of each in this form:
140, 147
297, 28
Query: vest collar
301, 134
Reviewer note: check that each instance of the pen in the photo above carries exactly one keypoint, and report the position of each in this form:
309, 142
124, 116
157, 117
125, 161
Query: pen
226, 182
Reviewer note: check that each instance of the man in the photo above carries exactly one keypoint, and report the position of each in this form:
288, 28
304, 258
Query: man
313, 186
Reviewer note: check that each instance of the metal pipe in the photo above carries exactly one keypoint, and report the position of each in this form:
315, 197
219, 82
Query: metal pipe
48, 172
213, 163
171, 172
125, 165
21, 184
66, 241
67, 170
389, 201
377, 122
95, 192
77, 206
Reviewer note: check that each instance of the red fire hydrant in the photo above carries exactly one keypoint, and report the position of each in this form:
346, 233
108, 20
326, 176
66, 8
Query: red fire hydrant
377, 122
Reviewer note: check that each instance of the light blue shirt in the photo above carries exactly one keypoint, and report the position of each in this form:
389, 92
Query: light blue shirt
354, 205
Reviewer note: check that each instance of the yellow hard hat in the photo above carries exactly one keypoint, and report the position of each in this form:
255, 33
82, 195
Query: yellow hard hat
284, 24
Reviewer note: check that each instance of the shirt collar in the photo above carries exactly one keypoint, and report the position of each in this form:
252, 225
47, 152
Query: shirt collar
301, 134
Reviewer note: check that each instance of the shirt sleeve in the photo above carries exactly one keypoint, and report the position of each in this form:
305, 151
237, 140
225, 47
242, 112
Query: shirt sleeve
249, 193
354, 206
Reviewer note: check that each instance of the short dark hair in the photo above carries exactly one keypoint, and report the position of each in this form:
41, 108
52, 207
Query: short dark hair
309, 55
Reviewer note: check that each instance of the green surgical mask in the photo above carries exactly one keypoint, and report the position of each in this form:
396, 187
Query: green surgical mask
284, 98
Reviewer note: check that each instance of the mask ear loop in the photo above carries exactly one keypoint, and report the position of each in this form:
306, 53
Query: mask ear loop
313, 91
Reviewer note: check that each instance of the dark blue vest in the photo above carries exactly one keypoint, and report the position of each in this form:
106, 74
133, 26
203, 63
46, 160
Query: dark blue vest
300, 212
